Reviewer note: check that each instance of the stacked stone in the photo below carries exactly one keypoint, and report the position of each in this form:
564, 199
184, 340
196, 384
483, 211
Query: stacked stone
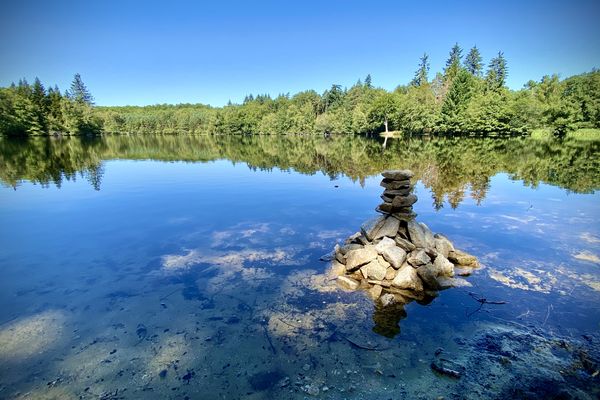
397, 196
395, 258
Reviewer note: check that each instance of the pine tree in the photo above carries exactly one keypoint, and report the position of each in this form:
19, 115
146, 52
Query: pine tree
421, 73
453, 63
368, 82
497, 72
79, 91
473, 61
457, 101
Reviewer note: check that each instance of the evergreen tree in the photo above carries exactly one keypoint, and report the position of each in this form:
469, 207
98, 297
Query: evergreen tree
497, 72
473, 61
456, 102
453, 63
421, 73
368, 82
79, 91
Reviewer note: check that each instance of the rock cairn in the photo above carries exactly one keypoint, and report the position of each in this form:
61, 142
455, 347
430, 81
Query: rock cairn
394, 257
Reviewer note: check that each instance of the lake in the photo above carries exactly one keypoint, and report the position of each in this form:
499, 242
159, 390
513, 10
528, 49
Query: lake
189, 267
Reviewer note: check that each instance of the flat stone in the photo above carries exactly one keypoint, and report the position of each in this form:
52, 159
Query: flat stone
353, 238
385, 283
357, 258
404, 216
429, 239
443, 245
348, 283
404, 244
391, 184
392, 193
407, 278
417, 258
404, 201
398, 174
428, 275
374, 270
443, 266
382, 261
463, 259
369, 228
386, 199
389, 228
385, 208
394, 255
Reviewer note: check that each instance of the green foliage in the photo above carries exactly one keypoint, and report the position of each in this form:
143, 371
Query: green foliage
474, 62
459, 100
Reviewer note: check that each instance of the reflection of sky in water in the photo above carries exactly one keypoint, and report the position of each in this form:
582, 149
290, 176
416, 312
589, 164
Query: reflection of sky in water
218, 262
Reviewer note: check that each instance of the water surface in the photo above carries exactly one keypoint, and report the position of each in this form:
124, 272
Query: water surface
188, 266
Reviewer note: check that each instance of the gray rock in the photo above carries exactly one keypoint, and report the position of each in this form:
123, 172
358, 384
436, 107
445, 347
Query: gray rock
385, 242
428, 275
404, 216
404, 201
418, 257
348, 283
336, 269
385, 208
389, 228
398, 174
443, 266
407, 278
375, 270
394, 255
386, 198
416, 234
429, 239
382, 261
352, 246
357, 258
390, 274
443, 245
404, 244
353, 238
385, 284
369, 228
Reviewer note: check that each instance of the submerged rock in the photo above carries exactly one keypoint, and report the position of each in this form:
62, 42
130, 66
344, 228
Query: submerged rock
348, 283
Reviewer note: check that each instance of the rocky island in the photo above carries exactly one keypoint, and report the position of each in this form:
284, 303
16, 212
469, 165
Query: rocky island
395, 258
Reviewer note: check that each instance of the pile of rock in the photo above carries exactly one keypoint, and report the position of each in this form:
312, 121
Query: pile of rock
396, 258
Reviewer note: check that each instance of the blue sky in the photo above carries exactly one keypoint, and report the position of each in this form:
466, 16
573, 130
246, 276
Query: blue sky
145, 52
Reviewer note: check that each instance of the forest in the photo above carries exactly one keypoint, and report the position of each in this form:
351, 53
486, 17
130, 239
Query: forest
467, 97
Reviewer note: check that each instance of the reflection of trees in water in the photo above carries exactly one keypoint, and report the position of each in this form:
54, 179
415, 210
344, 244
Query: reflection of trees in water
449, 167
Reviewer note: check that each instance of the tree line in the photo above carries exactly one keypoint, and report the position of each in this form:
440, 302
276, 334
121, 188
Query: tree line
466, 97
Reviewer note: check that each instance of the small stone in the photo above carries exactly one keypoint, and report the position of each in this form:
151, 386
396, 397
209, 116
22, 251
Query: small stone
384, 243
390, 274
389, 228
357, 258
374, 270
369, 228
306, 367
162, 373
386, 199
375, 292
387, 300
385, 208
407, 278
394, 255
348, 283
404, 244
398, 174
443, 266
382, 261
404, 216
353, 238
407, 201
418, 257
445, 282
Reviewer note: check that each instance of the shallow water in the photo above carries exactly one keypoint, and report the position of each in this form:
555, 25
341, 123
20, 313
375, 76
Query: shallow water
182, 266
